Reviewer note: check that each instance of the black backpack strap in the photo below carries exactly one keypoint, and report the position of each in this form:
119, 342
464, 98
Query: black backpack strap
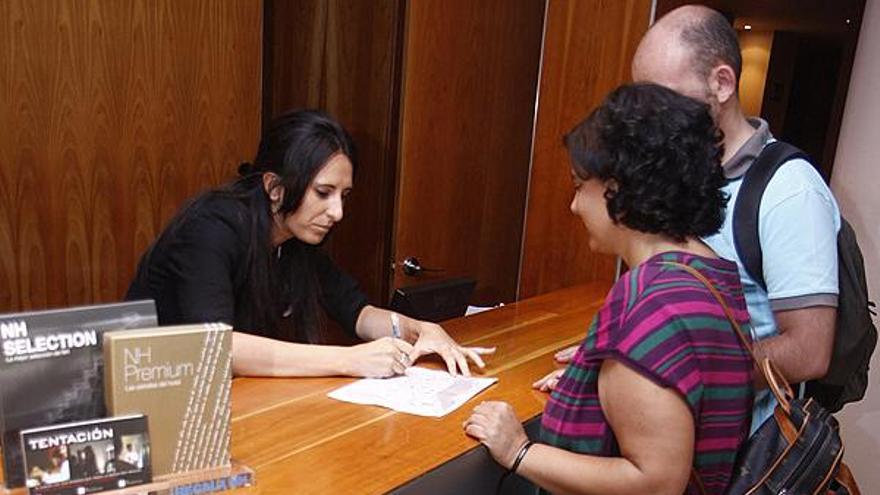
748, 203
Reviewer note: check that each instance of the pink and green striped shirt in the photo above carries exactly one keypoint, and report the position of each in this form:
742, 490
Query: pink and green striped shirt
663, 323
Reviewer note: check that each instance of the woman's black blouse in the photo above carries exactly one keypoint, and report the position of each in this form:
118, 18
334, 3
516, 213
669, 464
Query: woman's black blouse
198, 273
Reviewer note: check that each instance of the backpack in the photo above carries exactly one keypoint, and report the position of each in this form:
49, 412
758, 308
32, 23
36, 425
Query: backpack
855, 335
796, 451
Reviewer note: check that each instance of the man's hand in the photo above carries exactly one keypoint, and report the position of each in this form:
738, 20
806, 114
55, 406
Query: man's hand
564, 356
548, 383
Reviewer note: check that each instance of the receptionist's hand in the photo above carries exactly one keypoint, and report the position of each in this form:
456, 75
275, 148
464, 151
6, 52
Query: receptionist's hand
431, 338
379, 358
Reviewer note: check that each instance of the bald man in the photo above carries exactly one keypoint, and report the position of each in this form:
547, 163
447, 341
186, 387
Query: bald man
694, 50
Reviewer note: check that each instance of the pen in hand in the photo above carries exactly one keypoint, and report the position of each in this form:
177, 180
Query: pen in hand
395, 326
395, 334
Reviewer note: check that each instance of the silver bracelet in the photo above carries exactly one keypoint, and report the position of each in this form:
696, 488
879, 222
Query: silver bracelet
395, 325
520, 455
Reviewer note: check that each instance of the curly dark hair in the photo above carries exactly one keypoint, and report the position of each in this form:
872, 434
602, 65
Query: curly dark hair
661, 153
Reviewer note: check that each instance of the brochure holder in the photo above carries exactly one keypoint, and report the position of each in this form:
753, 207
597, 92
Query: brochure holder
214, 480
60, 367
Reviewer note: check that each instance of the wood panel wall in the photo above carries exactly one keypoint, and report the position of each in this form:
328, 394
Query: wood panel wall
588, 50
343, 57
470, 78
112, 113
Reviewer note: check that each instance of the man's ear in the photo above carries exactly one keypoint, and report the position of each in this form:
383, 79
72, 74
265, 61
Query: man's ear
271, 184
722, 83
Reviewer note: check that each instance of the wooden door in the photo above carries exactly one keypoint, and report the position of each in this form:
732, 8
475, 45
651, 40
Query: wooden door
468, 100
587, 52
343, 56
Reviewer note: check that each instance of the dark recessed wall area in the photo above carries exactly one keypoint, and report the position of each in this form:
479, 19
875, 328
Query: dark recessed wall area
810, 63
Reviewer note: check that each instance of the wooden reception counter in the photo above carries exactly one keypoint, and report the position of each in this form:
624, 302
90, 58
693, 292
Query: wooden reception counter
299, 441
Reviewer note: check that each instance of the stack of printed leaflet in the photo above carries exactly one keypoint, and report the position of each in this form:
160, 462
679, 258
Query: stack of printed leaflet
51, 369
181, 378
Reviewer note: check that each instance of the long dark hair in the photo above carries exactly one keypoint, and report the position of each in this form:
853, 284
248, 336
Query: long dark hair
282, 282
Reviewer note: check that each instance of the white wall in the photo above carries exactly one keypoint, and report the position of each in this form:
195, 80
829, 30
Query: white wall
856, 182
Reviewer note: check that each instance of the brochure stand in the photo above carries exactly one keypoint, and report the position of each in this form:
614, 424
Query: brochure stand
215, 480
52, 363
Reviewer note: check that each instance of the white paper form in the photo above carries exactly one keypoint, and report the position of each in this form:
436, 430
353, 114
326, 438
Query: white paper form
473, 310
419, 391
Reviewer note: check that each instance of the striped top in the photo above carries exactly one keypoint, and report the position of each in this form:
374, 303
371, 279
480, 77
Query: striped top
663, 323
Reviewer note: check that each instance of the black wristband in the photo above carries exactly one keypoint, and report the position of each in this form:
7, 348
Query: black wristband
520, 455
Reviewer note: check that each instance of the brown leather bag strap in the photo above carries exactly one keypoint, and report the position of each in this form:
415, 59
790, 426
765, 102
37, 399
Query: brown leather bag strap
776, 381
727, 311
695, 476
768, 369
845, 479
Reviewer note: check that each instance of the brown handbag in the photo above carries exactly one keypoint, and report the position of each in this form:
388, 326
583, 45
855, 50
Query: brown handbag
798, 450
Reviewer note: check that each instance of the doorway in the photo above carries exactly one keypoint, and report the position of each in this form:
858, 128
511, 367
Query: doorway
797, 60
439, 96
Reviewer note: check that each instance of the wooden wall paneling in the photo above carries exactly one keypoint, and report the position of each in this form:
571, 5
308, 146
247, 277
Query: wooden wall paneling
343, 56
470, 77
587, 52
113, 114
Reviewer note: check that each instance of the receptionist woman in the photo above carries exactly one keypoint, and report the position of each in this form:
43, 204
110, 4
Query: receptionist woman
248, 254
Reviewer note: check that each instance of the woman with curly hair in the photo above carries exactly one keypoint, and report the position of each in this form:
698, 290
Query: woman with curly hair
661, 386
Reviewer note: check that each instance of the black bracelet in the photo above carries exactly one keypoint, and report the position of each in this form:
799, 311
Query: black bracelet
520, 456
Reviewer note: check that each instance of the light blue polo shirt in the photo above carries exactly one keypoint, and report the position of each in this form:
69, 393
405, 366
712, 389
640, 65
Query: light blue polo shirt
797, 225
